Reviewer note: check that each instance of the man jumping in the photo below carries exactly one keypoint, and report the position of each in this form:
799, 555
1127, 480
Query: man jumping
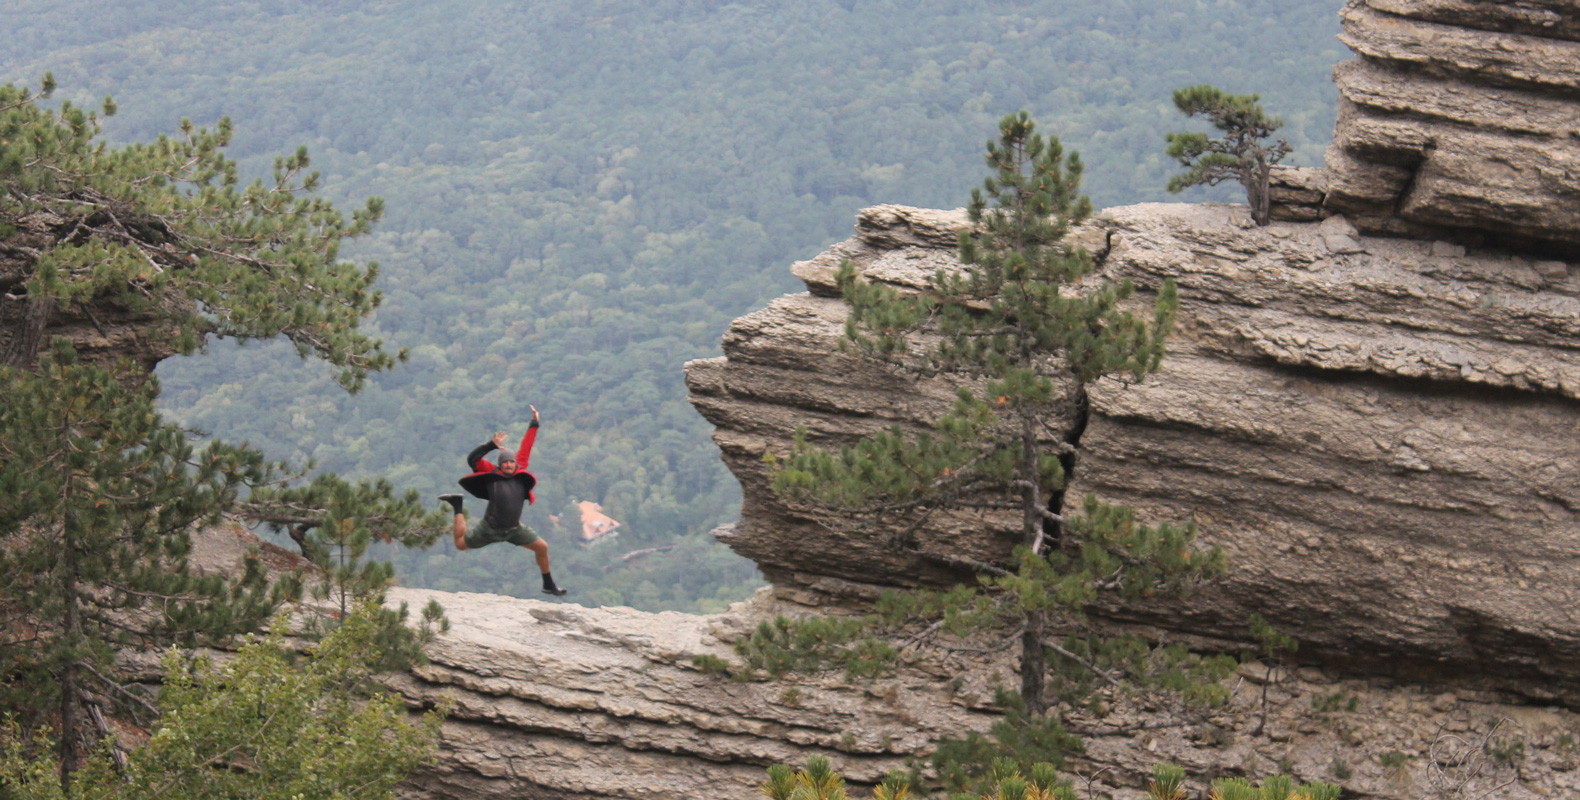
506, 486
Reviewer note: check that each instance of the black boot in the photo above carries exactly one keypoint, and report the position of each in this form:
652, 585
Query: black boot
549, 586
453, 499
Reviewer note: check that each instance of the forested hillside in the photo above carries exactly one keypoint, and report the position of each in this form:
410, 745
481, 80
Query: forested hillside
582, 193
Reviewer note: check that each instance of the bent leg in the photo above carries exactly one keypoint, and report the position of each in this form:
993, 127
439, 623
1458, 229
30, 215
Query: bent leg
540, 549
460, 531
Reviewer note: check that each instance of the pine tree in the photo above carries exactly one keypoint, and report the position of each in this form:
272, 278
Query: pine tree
335, 522
99, 498
167, 231
264, 725
1242, 153
1030, 328
1040, 781
97, 494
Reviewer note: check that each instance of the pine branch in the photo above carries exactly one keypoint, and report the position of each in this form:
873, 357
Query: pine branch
1055, 647
912, 641
962, 561
119, 688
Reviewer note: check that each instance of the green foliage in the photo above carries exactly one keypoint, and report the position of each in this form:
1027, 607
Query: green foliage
97, 500
1168, 782
1505, 752
329, 514
812, 644
1393, 759
1043, 784
168, 229
817, 782
1167, 671
1024, 322
1241, 153
710, 664
1273, 646
1277, 787
1272, 643
335, 522
895, 786
1334, 702
103, 493
1017, 743
1340, 769
263, 725
1008, 780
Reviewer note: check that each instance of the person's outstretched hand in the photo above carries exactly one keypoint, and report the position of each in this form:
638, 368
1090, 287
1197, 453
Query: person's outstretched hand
499, 440
534, 413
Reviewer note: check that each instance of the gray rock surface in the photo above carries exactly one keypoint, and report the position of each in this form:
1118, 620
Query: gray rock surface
1383, 433
1460, 120
560, 702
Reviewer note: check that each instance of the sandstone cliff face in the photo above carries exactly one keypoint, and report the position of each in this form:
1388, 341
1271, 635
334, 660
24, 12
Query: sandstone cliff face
1383, 433
1460, 118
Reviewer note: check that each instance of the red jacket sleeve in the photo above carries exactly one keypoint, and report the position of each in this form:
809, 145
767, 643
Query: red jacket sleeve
524, 453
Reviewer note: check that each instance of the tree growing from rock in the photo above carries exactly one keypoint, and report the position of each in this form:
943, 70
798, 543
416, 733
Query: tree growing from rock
1027, 328
1241, 153
167, 231
97, 495
97, 501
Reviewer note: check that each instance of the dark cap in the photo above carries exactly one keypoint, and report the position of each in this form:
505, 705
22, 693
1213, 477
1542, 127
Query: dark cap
505, 455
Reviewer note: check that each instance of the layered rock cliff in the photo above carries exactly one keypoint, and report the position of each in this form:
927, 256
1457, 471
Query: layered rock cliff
559, 702
1383, 433
1460, 119
1373, 405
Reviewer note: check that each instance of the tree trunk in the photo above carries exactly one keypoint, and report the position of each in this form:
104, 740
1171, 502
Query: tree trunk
1259, 192
70, 628
1033, 662
22, 351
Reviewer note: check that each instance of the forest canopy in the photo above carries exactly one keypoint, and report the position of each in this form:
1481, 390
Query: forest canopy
581, 194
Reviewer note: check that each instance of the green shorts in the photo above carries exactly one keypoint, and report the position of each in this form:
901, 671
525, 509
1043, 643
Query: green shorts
484, 534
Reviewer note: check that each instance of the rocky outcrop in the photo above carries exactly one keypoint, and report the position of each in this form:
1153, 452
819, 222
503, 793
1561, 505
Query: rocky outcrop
1383, 433
555, 701
567, 703
1460, 120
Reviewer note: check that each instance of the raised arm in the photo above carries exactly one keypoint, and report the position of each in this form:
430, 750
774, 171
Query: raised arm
525, 451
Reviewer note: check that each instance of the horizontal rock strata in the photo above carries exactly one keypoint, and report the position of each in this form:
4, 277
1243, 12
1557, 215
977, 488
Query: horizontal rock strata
554, 701
559, 702
1460, 120
1383, 433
